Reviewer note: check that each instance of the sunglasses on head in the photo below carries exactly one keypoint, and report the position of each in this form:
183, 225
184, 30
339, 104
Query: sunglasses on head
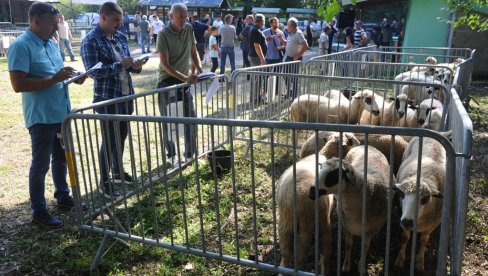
117, 48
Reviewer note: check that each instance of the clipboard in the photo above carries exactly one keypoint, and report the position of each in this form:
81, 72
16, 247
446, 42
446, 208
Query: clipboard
75, 78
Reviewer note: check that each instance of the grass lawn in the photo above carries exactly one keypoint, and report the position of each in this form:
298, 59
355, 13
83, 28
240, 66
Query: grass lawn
70, 251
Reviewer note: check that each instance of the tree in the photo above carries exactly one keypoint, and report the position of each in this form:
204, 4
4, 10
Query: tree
466, 14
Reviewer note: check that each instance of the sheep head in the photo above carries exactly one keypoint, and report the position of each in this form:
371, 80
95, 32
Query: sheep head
369, 101
331, 148
407, 195
329, 180
401, 104
431, 60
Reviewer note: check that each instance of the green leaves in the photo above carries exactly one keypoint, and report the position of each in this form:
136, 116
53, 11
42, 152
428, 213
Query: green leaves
467, 15
328, 9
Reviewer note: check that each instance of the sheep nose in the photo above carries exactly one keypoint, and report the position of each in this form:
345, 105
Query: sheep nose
407, 224
375, 112
421, 121
400, 114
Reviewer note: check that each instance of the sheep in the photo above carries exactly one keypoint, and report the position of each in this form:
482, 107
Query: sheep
305, 174
371, 112
419, 92
399, 113
324, 142
429, 114
319, 109
382, 142
428, 60
423, 76
432, 177
350, 186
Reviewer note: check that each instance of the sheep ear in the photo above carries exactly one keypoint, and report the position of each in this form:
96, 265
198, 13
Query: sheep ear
437, 194
367, 100
398, 190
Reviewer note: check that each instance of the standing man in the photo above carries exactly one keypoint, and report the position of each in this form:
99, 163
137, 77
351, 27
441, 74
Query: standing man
137, 21
228, 34
107, 45
145, 39
257, 42
64, 38
333, 31
275, 42
244, 36
36, 70
296, 45
176, 45
199, 32
360, 36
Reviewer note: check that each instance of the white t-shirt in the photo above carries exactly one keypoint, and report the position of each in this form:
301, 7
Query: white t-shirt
63, 30
212, 41
324, 38
218, 24
96, 19
157, 26
124, 78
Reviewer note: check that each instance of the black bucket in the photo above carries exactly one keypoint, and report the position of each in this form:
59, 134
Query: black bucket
223, 160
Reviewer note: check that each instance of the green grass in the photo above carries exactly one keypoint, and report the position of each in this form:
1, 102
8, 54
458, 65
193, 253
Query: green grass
3, 64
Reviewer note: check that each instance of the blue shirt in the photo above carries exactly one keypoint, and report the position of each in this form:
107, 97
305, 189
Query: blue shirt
199, 31
272, 53
39, 58
96, 47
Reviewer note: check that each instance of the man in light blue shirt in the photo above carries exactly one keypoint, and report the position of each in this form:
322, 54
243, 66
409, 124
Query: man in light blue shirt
37, 71
276, 42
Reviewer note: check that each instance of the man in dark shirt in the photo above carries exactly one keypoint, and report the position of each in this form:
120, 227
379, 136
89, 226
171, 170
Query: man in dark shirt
199, 32
244, 36
257, 42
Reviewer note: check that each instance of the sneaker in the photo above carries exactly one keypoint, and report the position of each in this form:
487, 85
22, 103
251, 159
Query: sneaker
68, 204
118, 179
46, 220
176, 162
108, 192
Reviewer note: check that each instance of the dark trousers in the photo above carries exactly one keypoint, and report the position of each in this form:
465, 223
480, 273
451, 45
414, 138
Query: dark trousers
113, 132
173, 96
245, 59
201, 50
215, 64
155, 38
292, 82
46, 147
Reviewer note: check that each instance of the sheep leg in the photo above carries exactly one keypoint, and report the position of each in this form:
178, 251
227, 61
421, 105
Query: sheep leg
325, 240
304, 240
401, 254
365, 256
346, 266
424, 241
286, 247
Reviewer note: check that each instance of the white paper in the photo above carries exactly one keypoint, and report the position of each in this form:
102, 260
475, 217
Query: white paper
206, 75
175, 109
212, 90
75, 78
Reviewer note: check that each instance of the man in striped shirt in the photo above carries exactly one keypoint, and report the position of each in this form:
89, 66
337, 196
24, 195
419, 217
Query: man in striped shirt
360, 36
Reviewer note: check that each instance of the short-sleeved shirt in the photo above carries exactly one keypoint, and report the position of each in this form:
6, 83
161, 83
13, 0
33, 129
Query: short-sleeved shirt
212, 41
144, 27
63, 30
245, 42
228, 33
272, 53
257, 36
358, 34
157, 26
293, 42
199, 31
324, 38
38, 58
218, 24
178, 46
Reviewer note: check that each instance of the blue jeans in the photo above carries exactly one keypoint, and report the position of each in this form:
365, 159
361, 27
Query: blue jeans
46, 147
188, 111
227, 50
109, 139
292, 82
145, 40
63, 42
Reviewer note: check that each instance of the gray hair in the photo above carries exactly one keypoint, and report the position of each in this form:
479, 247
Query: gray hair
293, 21
178, 6
259, 17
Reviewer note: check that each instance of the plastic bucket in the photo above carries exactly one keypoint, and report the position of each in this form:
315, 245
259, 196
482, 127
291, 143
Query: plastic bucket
222, 159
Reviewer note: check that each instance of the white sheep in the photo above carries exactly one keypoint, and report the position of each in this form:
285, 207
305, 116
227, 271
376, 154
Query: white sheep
382, 142
327, 138
319, 109
305, 174
351, 189
431, 187
429, 114
420, 92
372, 105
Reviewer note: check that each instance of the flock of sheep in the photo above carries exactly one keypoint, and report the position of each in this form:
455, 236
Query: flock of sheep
345, 175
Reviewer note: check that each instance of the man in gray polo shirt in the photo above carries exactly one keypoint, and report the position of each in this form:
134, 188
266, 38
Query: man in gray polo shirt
296, 45
227, 33
176, 45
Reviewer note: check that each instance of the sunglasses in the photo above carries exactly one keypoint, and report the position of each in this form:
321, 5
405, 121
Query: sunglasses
114, 42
